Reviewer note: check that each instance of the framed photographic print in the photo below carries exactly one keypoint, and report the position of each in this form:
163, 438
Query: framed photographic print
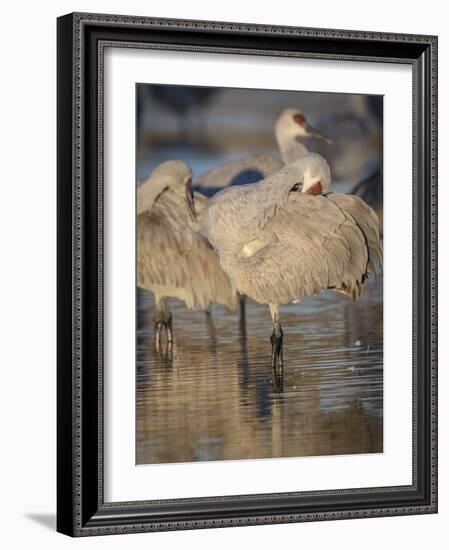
247, 282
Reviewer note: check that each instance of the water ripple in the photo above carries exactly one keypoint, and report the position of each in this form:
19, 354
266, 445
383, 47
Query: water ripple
214, 398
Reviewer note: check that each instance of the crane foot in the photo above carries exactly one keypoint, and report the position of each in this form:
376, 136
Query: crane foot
168, 328
277, 356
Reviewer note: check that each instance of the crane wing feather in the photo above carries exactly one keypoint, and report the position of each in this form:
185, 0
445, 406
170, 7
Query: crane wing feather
311, 245
171, 254
233, 172
368, 222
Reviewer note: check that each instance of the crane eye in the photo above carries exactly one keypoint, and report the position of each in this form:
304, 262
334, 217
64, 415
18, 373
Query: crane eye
296, 187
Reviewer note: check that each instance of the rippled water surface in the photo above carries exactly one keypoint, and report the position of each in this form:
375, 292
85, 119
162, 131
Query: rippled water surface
213, 397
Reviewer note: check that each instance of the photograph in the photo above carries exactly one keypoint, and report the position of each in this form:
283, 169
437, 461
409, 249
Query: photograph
259, 274
246, 273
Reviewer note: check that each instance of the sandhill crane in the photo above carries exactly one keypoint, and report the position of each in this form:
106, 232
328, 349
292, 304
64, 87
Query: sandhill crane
356, 133
291, 129
186, 104
370, 190
172, 258
356, 154
278, 245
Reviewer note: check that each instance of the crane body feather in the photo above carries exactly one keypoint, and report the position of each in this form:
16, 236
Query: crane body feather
279, 246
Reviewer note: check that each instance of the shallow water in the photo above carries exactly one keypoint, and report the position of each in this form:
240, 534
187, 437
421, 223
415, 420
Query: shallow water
214, 397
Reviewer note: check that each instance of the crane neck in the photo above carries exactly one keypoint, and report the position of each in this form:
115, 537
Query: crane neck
291, 149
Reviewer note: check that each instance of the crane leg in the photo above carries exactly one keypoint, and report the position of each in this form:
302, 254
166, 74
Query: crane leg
277, 357
242, 308
157, 335
162, 320
169, 330
210, 327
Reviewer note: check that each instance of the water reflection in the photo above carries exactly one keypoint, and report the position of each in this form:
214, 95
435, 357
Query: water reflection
214, 398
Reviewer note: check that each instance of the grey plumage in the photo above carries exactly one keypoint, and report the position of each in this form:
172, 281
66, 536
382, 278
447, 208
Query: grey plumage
368, 222
292, 132
225, 174
291, 127
172, 258
236, 215
278, 246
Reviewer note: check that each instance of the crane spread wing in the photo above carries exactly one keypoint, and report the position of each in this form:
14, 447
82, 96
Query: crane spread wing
171, 254
238, 172
313, 245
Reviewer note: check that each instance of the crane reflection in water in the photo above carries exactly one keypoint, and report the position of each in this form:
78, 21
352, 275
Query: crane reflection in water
218, 401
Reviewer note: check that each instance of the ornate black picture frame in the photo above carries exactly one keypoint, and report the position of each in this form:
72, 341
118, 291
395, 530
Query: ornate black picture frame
81, 510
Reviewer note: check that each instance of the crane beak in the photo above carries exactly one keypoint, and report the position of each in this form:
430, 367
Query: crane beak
189, 199
312, 132
315, 189
309, 130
